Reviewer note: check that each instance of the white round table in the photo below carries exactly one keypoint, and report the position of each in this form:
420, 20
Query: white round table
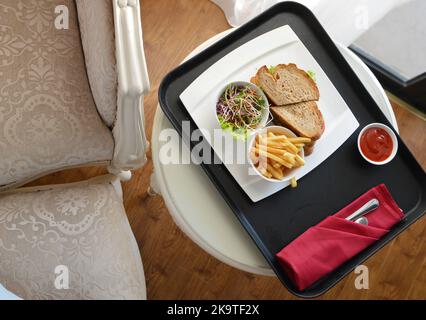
197, 207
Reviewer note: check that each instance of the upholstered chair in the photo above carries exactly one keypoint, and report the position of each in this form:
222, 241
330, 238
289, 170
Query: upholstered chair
72, 79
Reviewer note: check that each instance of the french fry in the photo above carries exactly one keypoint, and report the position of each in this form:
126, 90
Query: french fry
289, 155
262, 168
262, 161
275, 158
290, 160
299, 160
290, 147
275, 164
276, 154
268, 142
268, 174
277, 145
254, 157
293, 182
270, 149
299, 140
277, 138
276, 173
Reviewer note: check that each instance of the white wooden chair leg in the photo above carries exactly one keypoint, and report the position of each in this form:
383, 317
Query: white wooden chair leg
116, 183
153, 189
120, 174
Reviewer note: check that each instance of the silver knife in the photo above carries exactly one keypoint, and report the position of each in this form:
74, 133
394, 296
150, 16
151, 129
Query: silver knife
371, 205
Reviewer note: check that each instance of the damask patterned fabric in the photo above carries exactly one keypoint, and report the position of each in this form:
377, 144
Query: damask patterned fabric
82, 227
97, 34
48, 119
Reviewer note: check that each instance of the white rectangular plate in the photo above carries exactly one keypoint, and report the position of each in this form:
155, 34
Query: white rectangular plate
277, 46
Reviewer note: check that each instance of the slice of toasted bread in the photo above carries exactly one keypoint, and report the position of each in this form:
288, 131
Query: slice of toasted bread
304, 119
286, 84
309, 148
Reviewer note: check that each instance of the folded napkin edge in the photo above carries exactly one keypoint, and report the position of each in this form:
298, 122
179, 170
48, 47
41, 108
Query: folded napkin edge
292, 272
390, 201
324, 224
355, 234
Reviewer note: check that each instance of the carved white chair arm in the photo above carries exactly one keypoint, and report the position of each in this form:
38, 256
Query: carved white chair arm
129, 130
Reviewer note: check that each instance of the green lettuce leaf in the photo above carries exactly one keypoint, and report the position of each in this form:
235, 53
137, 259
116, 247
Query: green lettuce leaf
312, 75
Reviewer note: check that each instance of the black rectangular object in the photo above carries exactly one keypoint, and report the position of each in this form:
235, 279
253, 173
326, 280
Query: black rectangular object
277, 220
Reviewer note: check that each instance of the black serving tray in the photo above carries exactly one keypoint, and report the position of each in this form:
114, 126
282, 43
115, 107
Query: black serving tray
277, 220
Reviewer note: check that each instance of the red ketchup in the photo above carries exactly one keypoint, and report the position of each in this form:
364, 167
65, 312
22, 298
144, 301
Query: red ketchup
376, 144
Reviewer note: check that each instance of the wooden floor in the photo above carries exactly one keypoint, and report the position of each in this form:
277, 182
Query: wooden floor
175, 267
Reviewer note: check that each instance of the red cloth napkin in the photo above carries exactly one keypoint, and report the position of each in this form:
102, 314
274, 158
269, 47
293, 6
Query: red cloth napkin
324, 247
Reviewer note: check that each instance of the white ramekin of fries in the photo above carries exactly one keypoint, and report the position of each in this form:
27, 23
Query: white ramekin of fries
276, 153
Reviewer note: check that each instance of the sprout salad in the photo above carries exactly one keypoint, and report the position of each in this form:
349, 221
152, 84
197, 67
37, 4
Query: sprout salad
240, 109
